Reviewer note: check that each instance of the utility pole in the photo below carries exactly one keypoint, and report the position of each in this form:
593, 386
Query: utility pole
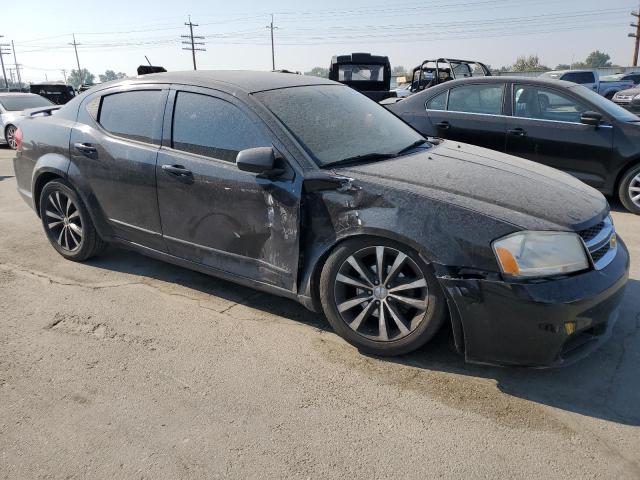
273, 53
192, 42
15, 62
64, 74
75, 46
2, 54
636, 36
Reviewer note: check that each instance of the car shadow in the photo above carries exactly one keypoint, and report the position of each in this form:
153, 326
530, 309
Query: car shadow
604, 385
4, 177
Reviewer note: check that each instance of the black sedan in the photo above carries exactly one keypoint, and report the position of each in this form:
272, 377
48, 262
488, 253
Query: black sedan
304, 188
557, 123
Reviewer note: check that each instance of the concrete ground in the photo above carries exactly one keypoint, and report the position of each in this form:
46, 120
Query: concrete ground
126, 367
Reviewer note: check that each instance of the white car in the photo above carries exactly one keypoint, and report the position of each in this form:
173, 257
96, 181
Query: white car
11, 111
403, 90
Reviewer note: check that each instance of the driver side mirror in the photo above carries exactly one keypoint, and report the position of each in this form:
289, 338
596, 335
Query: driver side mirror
591, 118
260, 160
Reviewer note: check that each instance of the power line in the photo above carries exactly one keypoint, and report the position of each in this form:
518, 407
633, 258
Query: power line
192, 42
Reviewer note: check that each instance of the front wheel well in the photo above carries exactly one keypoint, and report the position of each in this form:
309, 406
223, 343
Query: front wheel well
632, 164
41, 181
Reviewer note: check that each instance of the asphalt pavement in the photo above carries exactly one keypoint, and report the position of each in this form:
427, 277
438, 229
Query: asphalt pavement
126, 367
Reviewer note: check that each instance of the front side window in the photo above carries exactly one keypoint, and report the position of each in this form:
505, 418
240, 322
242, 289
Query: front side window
135, 114
545, 104
213, 127
486, 99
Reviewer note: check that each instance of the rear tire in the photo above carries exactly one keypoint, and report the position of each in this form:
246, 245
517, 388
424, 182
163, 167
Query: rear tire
629, 190
10, 136
386, 311
67, 223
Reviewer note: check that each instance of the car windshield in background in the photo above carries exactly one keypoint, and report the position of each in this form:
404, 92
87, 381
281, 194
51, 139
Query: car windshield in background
19, 102
608, 106
334, 123
361, 73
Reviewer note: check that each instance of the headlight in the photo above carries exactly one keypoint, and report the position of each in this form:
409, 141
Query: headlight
637, 97
540, 254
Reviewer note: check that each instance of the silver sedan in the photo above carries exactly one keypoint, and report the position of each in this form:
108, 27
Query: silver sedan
12, 106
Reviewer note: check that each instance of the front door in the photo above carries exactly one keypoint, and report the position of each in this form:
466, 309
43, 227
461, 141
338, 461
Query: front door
115, 151
546, 128
211, 212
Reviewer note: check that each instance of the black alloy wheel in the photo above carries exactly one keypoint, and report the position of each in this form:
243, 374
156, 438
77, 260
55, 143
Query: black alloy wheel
381, 296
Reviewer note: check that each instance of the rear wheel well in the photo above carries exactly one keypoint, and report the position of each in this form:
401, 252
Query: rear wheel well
41, 181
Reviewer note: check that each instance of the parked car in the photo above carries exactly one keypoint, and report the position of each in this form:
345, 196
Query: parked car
366, 73
403, 90
304, 188
628, 99
591, 80
557, 123
434, 72
58, 92
11, 107
629, 76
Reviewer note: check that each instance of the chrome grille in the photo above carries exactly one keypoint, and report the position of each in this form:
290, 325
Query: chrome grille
589, 233
597, 239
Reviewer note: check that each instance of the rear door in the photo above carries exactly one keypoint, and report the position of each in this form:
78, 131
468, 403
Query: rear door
470, 114
214, 214
114, 149
546, 128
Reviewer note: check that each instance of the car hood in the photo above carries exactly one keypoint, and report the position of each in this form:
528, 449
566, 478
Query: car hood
629, 91
524, 193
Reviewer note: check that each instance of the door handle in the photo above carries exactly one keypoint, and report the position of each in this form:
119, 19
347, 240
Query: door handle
85, 148
518, 132
178, 171
443, 125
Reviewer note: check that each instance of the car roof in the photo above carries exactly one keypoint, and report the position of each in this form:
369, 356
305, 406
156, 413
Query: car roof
248, 81
558, 72
18, 94
506, 78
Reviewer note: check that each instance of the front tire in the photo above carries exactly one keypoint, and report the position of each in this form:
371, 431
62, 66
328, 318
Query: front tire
629, 190
380, 296
67, 223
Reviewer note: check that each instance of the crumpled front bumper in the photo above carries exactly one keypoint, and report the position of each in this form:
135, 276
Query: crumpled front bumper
541, 324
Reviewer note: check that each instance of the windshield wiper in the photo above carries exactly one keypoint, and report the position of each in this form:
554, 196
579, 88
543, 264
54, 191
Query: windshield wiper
415, 144
367, 157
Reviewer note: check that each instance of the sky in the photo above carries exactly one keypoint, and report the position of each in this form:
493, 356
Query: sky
117, 34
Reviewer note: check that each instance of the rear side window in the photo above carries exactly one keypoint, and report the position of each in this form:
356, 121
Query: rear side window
135, 114
485, 99
213, 127
579, 77
438, 102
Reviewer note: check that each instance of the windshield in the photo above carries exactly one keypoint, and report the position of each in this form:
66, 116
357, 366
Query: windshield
607, 106
335, 123
20, 102
361, 73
